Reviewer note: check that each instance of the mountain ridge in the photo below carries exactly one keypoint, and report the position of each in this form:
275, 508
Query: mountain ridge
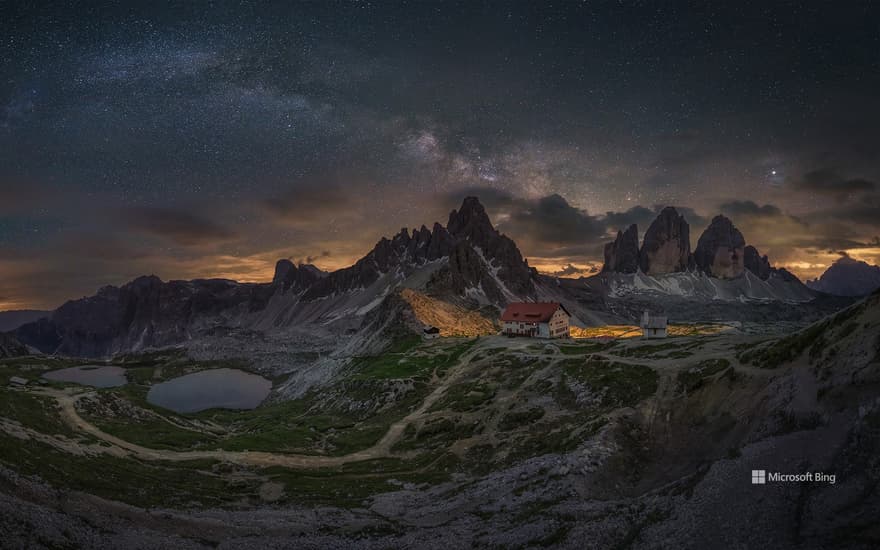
468, 264
848, 277
721, 250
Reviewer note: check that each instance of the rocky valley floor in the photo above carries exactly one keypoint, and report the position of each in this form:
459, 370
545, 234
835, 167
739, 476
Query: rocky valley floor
466, 442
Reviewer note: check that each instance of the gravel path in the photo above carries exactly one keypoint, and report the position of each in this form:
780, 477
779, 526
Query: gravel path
67, 405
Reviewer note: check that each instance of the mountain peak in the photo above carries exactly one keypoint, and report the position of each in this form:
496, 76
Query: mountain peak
721, 249
289, 275
848, 277
471, 222
622, 255
283, 268
666, 247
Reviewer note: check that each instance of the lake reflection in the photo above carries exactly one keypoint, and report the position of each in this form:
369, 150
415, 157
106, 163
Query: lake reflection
211, 389
90, 375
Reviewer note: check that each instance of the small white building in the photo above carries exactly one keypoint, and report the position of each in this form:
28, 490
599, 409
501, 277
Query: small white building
536, 319
653, 326
430, 332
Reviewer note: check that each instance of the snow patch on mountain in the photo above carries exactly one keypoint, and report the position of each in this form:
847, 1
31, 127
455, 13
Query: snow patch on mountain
693, 284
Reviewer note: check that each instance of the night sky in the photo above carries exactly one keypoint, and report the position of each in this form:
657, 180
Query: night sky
209, 141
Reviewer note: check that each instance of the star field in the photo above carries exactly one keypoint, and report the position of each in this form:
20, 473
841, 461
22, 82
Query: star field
211, 139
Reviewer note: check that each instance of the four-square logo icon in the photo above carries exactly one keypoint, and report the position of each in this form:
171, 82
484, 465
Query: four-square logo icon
759, 477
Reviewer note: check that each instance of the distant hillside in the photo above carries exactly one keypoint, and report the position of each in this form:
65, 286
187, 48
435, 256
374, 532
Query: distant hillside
10, 347
468, 263
451, 271
11, 320
848, 277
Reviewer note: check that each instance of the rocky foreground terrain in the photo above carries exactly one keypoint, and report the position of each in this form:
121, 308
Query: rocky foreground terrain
466, 442
371, 437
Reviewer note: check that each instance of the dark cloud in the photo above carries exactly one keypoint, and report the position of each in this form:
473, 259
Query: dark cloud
552, 219
643, 217
638, 215
695, 220
311, 259
749, 208
866, 211
325, 127
826, 181
570, 269
183, 228
548, 220
309, 204
493, 198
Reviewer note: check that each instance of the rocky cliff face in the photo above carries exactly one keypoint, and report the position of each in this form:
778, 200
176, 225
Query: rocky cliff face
666, 247
11, 320
145, 312
10, 347
403, 251
757, 264
721, 249
288, 276
848, 277
622, 255
471, 224
473, 259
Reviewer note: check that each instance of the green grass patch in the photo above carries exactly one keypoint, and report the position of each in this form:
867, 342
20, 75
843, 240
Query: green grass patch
694, 377
350, 485
154, 433
517, 419
143, 484
436, 433
36, 412
620, 384
409, 360
587, 347
466, 396
670, 349
786, 349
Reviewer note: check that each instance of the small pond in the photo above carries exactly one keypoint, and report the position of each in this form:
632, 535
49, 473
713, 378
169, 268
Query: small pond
210, 389
90, 375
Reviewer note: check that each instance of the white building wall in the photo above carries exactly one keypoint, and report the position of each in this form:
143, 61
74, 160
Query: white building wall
557, 327
519, 328
559, 324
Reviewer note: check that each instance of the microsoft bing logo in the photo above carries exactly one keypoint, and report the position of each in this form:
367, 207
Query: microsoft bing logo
759, 477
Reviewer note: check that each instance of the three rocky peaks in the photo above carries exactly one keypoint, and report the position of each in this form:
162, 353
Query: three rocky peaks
666, 248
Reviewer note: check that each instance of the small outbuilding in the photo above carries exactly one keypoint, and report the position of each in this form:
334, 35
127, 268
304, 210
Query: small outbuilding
536, 319
653, 326
18, 381
430, 332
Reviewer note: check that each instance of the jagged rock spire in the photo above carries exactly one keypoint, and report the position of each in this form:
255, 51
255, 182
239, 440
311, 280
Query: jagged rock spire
720, 250
622, 255
666, 247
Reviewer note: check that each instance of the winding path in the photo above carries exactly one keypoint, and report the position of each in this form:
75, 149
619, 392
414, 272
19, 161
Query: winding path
381, 449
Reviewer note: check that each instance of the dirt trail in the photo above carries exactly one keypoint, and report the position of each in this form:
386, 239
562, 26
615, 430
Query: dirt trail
67, 405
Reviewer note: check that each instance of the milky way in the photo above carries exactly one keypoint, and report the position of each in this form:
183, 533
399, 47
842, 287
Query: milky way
209, 141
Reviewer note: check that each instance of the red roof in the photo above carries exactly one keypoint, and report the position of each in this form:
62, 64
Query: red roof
531, 312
